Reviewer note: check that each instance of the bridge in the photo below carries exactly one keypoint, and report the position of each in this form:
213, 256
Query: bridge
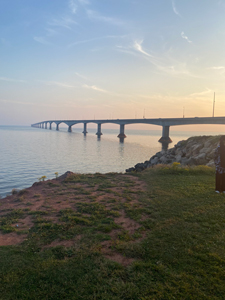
164, 122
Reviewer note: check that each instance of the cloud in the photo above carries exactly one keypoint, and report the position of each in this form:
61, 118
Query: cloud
81, 76
51, 32
125, 50
94, 87
165, 63
185, 37
175, 9
201, 94
137, 46
41, 40
84, 2
12, 80
217, 68
56, 83
73, 6
96, 39
96, 16
65, 22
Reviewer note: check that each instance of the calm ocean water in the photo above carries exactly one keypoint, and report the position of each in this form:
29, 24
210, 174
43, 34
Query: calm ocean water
28, 153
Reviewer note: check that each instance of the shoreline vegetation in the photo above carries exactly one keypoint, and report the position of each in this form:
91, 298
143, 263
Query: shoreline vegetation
155, 234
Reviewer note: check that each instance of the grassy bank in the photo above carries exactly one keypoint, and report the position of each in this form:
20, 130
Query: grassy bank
158, 234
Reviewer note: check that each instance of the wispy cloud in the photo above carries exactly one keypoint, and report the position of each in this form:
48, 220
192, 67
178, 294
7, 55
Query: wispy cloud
96, 39
126, 50
65, 22
138, 46
93, 15
175, 8
217, 68
56, 83
84, 2
166, 63
95, 88
73, 6
81, 76
201, 94
51, 32
41, 40
12, 80
185, 37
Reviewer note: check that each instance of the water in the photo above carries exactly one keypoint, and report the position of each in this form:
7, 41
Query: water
28, 153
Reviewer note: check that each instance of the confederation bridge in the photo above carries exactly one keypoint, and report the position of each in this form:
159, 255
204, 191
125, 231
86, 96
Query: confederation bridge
164, 122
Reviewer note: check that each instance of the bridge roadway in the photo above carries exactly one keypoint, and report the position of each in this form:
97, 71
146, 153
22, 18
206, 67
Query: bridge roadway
164, 122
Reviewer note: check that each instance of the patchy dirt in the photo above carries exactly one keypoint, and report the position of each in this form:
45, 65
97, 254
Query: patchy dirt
128, 224
48, 198
11, 239
123, 260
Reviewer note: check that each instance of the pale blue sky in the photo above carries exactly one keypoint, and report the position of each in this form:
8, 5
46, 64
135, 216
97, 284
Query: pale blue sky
80, 59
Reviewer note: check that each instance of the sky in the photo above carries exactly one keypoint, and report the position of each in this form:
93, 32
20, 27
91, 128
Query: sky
103, 59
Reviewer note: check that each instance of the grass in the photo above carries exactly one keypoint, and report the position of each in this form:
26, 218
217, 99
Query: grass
177, 252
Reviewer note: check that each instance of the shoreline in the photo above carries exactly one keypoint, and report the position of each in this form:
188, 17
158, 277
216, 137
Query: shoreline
193, 151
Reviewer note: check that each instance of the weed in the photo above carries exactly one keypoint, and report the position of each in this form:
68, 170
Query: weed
42, 178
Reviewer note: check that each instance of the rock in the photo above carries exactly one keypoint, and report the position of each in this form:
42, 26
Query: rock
193, 151
65, 175
130, 170
163, 159
159, 154
211, 163
184, 161
191, 161
178, 158
154, 161
196, 149
200, 159
211, 154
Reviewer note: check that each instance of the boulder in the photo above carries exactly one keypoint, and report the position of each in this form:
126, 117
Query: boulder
200, 159
194, 151
154, 161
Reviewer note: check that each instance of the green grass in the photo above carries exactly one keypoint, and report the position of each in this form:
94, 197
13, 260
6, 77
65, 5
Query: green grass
178, 252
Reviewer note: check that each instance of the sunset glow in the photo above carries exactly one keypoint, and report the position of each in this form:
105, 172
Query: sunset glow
85, 59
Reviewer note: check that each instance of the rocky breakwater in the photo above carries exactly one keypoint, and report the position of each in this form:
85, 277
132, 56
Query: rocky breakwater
198, 150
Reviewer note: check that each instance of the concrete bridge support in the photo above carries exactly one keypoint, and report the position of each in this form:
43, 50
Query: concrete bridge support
46, 125
42, 125
99, 132
57, 126
165, 135
85, 129
70, 128
121, 134
50, 125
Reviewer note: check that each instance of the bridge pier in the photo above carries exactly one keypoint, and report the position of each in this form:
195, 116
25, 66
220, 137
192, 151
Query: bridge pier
99, 132
70, 128
42, 125
57, 126
85, 129
165, 135
121, 134
50, 125
46, 125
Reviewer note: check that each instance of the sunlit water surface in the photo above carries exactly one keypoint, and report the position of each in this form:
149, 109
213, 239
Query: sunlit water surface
28, 153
